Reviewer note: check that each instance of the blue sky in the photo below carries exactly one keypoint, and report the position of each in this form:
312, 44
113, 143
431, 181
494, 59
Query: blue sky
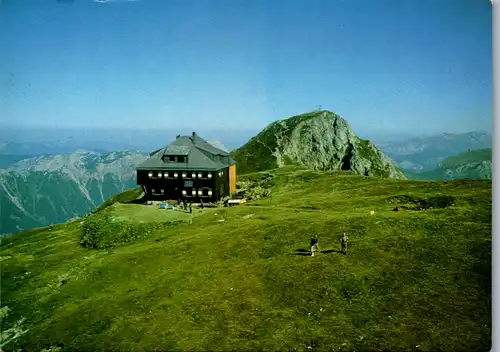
399, 67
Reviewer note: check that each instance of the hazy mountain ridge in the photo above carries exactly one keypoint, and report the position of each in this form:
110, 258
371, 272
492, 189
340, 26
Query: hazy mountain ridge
472, 164
426, 153
49, 189
320, 140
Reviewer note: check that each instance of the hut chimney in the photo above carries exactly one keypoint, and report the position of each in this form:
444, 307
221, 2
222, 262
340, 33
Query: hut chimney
178, 136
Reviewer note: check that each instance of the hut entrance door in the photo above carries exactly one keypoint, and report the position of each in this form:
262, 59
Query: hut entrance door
177, 193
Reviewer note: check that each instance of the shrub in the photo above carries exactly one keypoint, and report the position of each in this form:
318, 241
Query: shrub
102, 232
415, 203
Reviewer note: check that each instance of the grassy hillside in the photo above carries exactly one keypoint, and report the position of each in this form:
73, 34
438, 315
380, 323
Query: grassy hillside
240, 278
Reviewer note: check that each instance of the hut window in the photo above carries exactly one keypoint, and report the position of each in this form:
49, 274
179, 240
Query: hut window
183, 192
209, 192
184, 175
209, 175
181, 159
171, 159
193, 175
162, 191
200, 192
200, 175
159, 174
153, 190
193, 192
165, 175
150, 175
176, 174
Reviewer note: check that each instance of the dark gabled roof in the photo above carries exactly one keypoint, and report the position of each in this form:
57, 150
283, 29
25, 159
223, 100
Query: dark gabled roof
200, 156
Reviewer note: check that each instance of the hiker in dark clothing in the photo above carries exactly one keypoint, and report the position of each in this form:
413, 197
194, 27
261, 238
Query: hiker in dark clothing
190, 208
314, 245
344, 242
201, 203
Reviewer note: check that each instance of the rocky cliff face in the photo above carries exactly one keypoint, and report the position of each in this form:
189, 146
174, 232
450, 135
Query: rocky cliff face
319, 140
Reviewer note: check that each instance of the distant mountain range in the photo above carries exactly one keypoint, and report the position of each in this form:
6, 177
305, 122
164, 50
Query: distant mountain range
50, 189
425, 154
472, 164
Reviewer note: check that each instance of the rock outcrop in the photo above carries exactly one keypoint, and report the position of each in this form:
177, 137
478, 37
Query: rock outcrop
320, 140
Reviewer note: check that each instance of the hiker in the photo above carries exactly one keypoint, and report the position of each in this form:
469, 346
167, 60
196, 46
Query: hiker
314, 245
201, 203
190, 207
344, 242
185, 205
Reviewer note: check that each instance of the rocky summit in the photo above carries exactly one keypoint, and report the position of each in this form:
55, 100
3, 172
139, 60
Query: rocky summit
319, 140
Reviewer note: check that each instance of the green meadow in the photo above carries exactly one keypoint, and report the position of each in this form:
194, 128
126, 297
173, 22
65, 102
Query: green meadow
133, 277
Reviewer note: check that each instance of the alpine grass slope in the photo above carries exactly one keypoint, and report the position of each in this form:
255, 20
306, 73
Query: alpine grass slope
240, 278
